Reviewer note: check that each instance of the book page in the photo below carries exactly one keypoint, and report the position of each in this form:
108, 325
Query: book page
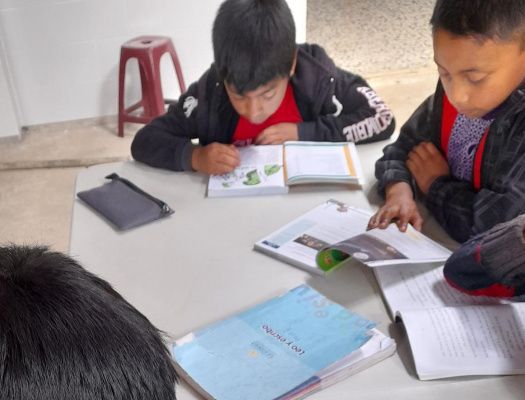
261, 167
311, 161
470, 340
299, 241
421, 287
380, 247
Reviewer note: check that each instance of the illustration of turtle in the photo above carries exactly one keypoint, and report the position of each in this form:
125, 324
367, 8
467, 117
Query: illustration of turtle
252, 178
271, 169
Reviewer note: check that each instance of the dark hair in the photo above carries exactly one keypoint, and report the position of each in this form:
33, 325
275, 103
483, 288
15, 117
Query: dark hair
484, 19
253, 42
67, 334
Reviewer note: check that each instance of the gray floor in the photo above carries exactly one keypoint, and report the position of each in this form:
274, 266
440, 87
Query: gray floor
373, 36
388, 42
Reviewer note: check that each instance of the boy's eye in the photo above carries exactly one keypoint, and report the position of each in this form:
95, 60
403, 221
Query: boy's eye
475, 80
269, 95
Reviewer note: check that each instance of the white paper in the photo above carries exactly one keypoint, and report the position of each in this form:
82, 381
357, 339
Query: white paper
299, 241
422, 286
470, 340
316, 161
261, 172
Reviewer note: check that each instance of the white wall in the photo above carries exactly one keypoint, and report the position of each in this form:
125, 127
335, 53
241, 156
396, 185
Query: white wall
63, 54
8, 116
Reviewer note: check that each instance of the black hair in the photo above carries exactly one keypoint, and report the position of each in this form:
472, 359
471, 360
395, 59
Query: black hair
482, 19
253, 42
67, 334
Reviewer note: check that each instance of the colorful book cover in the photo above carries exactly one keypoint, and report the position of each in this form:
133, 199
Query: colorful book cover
271, 349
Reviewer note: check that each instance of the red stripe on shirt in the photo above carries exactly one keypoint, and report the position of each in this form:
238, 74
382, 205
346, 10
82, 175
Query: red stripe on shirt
448, 118
478, 158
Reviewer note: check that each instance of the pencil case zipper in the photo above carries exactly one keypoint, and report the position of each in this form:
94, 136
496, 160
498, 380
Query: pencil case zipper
165, 209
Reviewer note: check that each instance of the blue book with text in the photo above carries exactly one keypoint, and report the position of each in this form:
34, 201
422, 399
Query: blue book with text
275, 350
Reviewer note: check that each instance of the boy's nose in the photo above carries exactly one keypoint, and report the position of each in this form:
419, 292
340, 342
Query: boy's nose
254, 110
458, 96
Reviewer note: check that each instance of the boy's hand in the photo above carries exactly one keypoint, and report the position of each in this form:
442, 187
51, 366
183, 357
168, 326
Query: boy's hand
278, 134
426, 163
399, 207
215, 158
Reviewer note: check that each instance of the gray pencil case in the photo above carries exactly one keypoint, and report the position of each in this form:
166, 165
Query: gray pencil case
124, 204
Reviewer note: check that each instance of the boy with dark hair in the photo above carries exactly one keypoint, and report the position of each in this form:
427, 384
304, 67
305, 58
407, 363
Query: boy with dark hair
464, 147
66, 334
262, 89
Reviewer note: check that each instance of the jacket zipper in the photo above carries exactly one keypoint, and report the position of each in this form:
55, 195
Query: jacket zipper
165, 209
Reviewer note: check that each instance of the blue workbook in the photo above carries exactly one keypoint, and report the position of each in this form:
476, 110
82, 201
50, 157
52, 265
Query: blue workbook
281, 349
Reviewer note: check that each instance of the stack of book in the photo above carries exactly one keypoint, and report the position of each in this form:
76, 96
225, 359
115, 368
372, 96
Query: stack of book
285, 348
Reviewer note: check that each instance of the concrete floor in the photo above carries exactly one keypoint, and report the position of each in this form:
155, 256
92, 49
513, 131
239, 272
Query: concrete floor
37, 173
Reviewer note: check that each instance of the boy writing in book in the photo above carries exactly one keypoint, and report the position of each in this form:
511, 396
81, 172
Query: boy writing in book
464, 147
66, 334
263, 89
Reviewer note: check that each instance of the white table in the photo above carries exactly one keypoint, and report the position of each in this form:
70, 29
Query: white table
198, 266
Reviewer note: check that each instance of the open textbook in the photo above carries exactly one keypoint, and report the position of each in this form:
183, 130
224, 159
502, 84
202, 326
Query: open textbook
271, 169
333, 232
451, 333
285, 348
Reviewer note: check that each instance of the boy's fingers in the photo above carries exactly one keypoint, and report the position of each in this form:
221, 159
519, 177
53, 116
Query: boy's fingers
430, 148
417, 221
402, 223
373, 222
386, 216
229, 160
267, 138
264, 136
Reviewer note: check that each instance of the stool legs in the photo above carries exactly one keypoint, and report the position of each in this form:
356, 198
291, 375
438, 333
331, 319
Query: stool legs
148, 51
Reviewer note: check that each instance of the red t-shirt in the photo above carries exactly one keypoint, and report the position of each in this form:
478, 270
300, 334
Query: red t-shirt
246, 132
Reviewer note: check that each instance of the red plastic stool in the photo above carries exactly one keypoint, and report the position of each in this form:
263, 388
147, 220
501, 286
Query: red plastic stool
147, 50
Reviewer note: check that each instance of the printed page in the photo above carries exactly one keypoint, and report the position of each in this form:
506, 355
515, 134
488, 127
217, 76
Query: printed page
380, 247
299, 241
318, 161
470, 340
260, 172
421, 287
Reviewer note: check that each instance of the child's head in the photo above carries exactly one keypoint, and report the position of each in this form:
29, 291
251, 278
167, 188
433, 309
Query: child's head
255, 51
479, 50
66, 334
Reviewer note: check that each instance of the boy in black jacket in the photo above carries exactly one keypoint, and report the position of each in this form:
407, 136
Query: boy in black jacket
261, 89
65, 334
464, 147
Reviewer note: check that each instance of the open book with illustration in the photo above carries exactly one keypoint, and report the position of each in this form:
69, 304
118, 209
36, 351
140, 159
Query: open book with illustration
451, 333
271, 169
285, 348
323, 238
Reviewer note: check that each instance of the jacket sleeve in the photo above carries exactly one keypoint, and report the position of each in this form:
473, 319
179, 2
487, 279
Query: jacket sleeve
391, 167
165, 142
351, 112
465, 212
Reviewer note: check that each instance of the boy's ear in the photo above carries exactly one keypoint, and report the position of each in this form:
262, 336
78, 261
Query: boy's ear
294, 63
